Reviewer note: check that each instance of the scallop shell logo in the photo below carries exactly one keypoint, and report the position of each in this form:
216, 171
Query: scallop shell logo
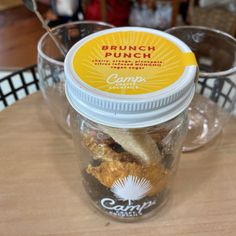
131, 188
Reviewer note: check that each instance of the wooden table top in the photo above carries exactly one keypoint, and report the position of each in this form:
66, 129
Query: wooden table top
20, 31
40, 191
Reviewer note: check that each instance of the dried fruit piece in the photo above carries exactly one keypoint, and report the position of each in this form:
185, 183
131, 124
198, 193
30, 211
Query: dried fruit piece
110, 171
159, 135
140, 145
102, 151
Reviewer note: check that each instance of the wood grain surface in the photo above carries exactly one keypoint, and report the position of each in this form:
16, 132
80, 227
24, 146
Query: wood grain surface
6, 4
20, 31
41, 194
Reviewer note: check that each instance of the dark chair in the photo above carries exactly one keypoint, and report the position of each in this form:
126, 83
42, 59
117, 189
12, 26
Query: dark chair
18, 85
221, 91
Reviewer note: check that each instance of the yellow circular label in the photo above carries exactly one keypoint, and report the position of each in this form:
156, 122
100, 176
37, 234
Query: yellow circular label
130, 62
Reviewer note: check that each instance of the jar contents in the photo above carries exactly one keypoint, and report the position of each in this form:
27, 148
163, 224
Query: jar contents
128, 174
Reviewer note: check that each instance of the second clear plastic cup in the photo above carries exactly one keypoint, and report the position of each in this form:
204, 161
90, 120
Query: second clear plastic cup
214, 101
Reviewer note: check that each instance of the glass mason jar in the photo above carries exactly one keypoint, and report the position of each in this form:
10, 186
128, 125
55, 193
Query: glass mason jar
128, 116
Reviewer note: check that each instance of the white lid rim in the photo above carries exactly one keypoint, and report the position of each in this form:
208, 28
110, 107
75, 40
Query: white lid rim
128, 120
123, 106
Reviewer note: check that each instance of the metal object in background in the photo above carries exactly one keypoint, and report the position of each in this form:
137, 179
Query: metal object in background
32, 6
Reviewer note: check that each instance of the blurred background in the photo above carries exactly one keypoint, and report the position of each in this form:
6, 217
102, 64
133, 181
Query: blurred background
20, 30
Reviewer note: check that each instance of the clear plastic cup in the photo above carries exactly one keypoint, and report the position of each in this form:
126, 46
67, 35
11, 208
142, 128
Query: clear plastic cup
215, 98
51, 65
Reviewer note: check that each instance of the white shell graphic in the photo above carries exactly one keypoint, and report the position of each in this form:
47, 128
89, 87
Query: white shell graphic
131, 188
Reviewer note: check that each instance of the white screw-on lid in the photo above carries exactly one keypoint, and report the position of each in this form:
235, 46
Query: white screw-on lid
130, 77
